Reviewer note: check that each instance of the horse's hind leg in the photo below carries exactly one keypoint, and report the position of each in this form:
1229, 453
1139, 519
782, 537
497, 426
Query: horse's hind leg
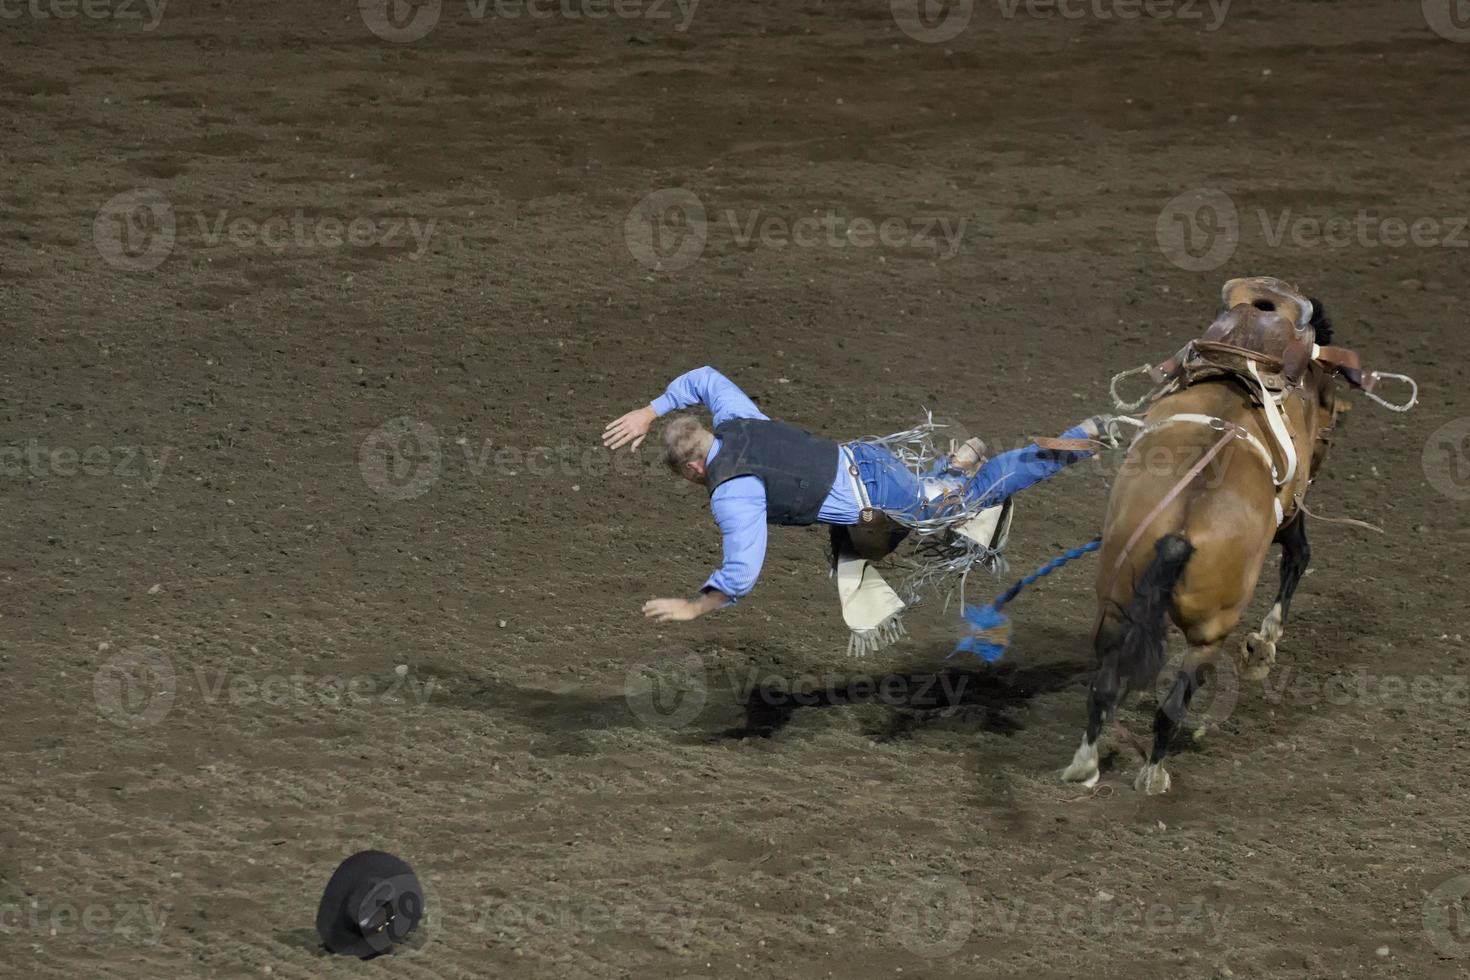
1102, 700
1257, 652
1173, 709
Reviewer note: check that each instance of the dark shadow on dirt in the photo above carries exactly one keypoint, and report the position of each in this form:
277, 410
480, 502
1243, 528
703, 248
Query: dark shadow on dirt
916, 697
721, 705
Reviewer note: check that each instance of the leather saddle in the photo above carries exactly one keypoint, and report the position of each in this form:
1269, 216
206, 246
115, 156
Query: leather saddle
1264, 328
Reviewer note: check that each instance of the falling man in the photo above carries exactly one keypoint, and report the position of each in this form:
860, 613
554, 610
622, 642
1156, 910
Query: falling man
872, 493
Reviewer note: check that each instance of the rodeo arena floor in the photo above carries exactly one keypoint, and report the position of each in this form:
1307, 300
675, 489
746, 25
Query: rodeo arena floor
314, 315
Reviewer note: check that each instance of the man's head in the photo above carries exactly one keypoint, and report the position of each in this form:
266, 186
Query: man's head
686, 444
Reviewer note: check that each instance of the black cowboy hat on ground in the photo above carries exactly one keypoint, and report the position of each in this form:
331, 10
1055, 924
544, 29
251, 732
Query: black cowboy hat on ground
370, 905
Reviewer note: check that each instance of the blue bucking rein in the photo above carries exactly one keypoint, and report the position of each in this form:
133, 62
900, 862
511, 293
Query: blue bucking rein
990, 628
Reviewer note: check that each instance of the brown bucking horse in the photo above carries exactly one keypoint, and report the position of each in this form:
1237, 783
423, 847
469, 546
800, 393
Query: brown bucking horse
1234, 434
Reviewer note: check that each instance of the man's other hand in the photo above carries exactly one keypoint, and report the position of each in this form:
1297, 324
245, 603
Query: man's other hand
671, 610
632, 427
682, 610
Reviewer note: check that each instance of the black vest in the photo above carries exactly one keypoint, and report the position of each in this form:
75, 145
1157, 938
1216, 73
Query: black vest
796, 466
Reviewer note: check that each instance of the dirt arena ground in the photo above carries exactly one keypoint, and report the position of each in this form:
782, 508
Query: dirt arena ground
310, 545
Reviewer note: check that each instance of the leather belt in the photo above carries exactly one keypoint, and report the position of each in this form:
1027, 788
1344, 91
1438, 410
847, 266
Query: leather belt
866, 512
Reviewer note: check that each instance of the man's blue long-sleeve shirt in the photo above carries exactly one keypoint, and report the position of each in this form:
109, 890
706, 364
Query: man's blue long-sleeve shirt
739, 504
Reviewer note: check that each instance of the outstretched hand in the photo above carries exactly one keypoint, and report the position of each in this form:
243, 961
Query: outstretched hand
671, 610
631, 428
683, 610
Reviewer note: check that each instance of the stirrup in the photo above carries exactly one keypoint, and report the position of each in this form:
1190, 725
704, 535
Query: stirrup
1413, 391
1118, 402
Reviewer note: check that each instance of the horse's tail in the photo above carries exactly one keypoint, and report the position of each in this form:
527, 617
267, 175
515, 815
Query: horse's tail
1141, 647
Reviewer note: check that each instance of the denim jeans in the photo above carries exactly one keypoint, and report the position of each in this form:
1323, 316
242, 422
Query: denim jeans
892, 487
895, 489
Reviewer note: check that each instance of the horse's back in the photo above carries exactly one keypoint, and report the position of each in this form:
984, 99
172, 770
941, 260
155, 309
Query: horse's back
1225, 510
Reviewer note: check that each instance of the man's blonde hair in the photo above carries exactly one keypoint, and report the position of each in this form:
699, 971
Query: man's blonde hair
683, 441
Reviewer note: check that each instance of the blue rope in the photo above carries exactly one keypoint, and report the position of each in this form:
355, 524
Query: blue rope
990, 628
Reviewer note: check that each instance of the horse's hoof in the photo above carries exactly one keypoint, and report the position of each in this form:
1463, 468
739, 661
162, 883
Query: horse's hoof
1256, 657
1086, 775
1084, 766
1152, 779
